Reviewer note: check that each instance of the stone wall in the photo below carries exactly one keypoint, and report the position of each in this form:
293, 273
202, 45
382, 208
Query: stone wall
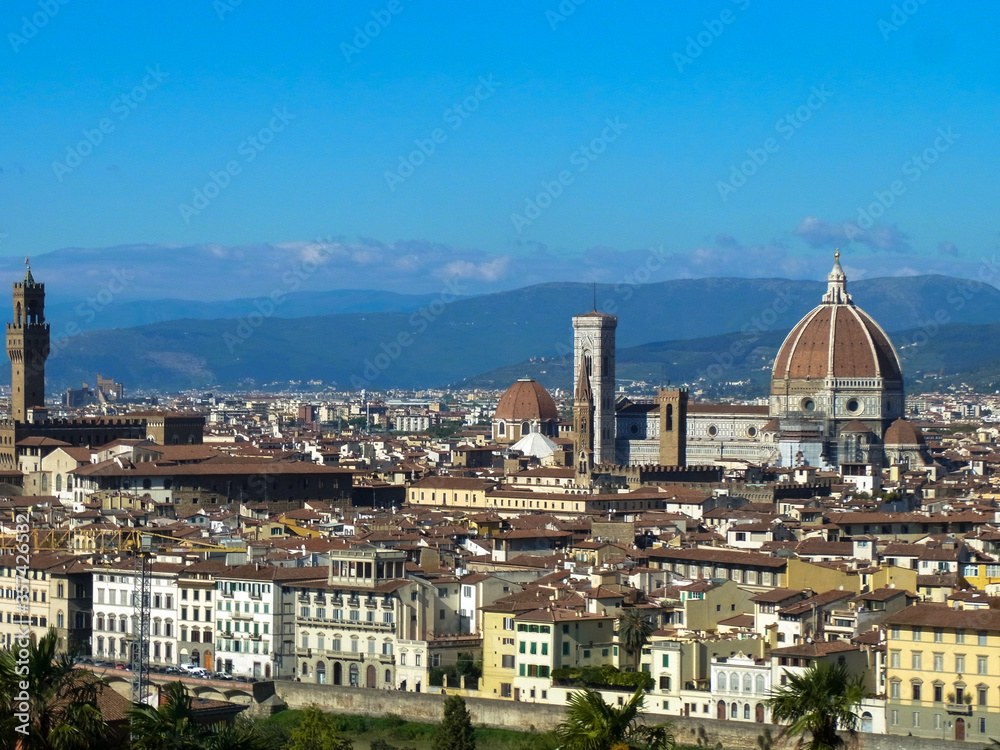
428, 707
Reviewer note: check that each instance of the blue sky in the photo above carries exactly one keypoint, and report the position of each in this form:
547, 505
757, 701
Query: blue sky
740, 138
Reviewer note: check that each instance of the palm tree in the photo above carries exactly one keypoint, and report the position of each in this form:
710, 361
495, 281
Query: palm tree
819, 701
634, 630
592, 724
61, 700
169, 727
173, 726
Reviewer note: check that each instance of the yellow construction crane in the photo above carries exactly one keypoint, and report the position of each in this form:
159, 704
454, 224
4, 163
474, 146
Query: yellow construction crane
84, 540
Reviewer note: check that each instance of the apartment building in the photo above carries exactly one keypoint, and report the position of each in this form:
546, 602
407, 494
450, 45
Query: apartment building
364, 624
57, 596
114, 611
943, 672
255, 619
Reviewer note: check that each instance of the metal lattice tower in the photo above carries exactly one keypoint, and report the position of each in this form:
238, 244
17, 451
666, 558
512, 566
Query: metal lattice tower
140, 621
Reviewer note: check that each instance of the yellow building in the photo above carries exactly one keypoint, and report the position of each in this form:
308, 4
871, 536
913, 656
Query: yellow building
980, 574
943, 673
553, 638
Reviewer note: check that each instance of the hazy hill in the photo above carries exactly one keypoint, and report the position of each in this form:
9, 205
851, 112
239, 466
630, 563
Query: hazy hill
442, 344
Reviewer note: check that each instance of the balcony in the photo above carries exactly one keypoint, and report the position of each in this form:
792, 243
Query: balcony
241, 615
371, 603
959, 708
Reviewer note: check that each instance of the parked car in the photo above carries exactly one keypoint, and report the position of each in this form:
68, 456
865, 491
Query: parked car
223, 676
173, 670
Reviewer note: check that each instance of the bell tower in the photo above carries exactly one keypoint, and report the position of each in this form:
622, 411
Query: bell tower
594, 343
673, 426
27, 347
583, 426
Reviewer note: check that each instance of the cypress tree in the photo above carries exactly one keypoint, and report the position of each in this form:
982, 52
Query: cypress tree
455, 730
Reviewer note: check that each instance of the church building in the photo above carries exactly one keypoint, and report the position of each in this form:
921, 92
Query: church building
836, 402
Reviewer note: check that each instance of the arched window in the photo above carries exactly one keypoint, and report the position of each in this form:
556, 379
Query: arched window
58, 482
123, 621
722, 680
353, 675
670, 417
733, 710
100, 644
525, 429
100, 623
760, 684
747, 683
388, 677
746, 711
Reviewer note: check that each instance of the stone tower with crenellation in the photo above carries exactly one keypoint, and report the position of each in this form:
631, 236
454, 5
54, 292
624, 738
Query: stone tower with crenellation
27, 347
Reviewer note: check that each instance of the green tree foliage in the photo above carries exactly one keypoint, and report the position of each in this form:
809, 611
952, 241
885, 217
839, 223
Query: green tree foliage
317, 731
634, 631
592, 724
455, 731
171, 726
465, 666
604, 676
818, 702
61, 700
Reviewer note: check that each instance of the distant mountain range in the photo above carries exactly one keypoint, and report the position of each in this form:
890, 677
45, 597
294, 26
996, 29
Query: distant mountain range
674, 330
